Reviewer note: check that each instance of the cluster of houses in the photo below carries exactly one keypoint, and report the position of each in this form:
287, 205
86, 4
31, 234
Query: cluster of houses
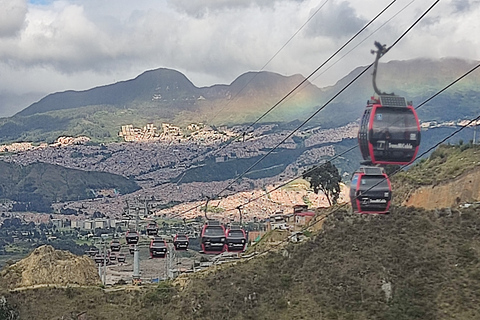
169, 132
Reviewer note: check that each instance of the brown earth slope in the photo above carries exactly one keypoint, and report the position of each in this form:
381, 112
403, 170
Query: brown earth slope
464, 189
47, 266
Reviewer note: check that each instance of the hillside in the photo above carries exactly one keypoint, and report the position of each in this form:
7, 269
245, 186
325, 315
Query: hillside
37, 185
165, 95
449, 177
411, 264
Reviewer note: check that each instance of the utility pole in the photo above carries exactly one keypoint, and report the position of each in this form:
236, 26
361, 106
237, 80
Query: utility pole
104, 263
136, 255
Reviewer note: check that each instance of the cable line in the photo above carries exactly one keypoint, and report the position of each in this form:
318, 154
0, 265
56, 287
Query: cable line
304, 80
271, 59
328, 102
345, 204
331, 99
353, 147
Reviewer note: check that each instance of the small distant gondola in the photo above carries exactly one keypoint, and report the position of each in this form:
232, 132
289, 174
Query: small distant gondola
152, 228
370, 191
131, 248
158, 248
236, 239
115, 245
212, 238
92, 251
132, 237
121, 258
180, 242
99, 258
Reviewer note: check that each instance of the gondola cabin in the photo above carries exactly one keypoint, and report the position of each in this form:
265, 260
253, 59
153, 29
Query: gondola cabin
115, 245
180, 242
236, 239
100, 258
370, 191
389, 131
158, 248
152, 228
92, 251
132, 237
121, 257
212, 238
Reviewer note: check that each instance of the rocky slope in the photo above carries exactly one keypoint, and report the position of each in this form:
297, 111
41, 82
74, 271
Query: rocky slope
47, 266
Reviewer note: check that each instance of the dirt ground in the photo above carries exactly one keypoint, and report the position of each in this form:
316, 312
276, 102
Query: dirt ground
150, 269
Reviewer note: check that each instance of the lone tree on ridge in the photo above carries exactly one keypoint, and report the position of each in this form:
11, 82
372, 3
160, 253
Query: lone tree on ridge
325, 178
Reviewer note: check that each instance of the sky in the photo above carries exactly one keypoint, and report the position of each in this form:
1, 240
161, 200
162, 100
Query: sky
50, 46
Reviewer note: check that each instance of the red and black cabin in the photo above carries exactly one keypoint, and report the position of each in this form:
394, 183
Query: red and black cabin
158, 248
121, 257
236, 239
370, 191
132, 237
389, 131
212, 238
180, 242
152, 228
115, 245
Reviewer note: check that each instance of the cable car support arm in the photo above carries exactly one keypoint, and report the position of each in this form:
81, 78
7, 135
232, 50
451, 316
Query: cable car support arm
382, 49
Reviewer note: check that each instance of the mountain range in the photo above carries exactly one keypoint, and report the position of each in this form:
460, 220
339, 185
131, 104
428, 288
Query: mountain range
166, 95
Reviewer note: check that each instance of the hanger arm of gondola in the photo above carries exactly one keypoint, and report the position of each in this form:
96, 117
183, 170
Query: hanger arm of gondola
381, 51
239, 208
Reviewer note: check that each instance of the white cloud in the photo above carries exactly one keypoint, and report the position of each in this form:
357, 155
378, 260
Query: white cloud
12, 17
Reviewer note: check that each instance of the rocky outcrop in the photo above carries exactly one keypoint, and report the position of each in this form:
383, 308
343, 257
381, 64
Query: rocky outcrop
47, 266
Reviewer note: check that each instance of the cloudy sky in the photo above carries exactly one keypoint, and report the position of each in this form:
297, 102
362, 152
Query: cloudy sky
55, 45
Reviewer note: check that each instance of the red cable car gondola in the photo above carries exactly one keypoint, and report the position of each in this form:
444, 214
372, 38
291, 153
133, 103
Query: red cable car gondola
370, 191
212, 238
132, 237
158, 248
115, 245
152, 228
236, 239
180, 242
389, 130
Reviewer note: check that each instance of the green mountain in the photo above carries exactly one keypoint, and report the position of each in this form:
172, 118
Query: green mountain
165, 95
37, 185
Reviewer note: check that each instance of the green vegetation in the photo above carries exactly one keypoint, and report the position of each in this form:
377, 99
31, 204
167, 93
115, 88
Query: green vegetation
325, 178
34, 187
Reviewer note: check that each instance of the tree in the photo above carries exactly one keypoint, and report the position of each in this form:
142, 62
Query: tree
325, 178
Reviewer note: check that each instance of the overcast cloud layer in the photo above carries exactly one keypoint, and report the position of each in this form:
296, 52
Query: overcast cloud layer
49, 46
